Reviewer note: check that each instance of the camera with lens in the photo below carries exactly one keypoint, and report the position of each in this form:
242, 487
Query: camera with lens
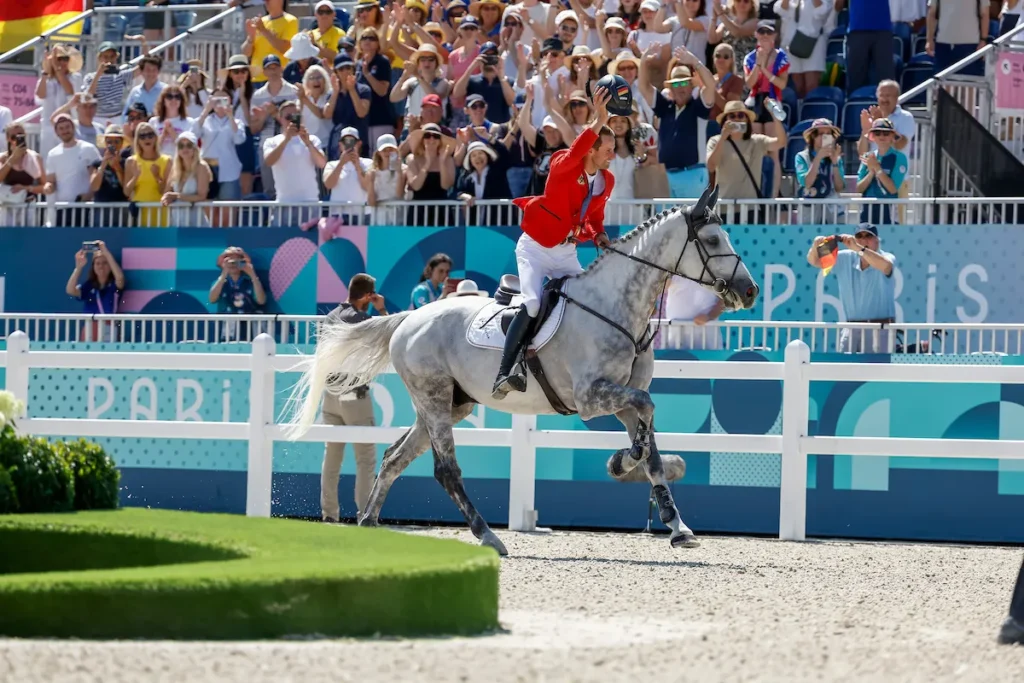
110, 69
490, 60
295, 119
20, 140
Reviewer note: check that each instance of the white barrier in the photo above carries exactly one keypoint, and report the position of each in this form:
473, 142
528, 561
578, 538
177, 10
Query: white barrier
262, 430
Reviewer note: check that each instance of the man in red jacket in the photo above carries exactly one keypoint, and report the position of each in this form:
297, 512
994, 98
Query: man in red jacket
571, 210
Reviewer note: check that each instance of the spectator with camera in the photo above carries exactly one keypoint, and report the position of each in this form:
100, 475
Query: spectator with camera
295, 157
68, 171
83, 106
349, 180
195, 85
108, 178
58, 82
102, 290
867, 289
237, 83
111, 81
349, 104
264, 117
489, 87
22, 176
237, 291
881, 172
147, 92
820, 171
434, 283
354, 408
221, 134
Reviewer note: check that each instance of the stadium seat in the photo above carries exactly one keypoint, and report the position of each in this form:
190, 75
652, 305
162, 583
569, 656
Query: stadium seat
917, 71
115, 27
897, 64
825, 101
836, 47
307, 23
866, 92
342, 19
794, 145
791, 105
183, 21
843, 19
851, 117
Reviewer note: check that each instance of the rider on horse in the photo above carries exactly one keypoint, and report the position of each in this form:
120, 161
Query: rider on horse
570, 211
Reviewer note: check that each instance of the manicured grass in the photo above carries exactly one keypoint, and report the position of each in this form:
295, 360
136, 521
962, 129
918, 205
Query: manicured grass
137, 573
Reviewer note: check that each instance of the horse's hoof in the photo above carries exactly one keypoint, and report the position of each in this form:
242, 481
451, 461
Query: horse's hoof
489, 540
1012, 632
639, 454
684, 541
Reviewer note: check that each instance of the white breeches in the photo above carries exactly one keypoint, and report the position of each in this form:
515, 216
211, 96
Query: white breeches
536, 262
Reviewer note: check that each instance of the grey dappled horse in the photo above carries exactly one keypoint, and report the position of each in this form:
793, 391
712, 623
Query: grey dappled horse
599, 361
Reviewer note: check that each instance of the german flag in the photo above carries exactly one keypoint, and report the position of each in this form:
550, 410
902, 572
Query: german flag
22, 20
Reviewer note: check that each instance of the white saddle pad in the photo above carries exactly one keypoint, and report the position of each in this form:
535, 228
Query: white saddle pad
485, 330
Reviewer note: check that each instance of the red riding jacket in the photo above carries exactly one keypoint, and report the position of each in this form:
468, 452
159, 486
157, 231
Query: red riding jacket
555, 215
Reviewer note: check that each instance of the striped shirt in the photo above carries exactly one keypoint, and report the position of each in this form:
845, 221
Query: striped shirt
110, 91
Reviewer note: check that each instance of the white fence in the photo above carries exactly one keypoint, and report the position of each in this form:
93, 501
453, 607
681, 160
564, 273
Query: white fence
730, 335
262, 429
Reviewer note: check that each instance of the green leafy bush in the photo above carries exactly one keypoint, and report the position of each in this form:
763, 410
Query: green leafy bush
95, 474
8, 496
42, 479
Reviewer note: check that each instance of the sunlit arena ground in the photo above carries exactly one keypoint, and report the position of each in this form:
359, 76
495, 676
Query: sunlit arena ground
579, 606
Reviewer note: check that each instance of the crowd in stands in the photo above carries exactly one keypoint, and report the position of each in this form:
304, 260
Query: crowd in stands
429, 100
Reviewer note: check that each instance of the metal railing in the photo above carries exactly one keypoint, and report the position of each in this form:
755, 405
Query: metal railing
727, 335
846, 211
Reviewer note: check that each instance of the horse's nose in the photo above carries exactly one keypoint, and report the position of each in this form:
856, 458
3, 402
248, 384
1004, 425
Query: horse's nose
750, 295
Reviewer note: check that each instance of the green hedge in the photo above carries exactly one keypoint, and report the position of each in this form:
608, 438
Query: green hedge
39, 476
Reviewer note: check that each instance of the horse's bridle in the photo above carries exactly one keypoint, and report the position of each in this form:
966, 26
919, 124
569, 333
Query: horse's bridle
719, 285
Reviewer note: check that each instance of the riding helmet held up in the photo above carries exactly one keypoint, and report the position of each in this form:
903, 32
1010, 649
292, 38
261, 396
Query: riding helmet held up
621, 102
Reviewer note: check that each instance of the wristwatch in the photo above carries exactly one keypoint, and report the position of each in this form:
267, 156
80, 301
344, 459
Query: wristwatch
863, 249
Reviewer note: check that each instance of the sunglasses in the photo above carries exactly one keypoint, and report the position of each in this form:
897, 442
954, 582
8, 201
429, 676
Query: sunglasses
63, 59
568, 28
736, 117
456, 13
576, 104
172, 96
722, 56
864, 235
627, 67
326, 11
316, 79
478, 105
185, 145
430, 60
147, 136
765, 32
883, 133
136, 117
512, 24
359, 10
431, 136
368, 38
680, 84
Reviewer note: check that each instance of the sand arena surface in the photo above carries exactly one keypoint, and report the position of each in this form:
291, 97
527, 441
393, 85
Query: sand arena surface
579, 606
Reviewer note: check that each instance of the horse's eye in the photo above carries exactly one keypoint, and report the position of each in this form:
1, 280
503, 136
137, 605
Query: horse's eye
712, 241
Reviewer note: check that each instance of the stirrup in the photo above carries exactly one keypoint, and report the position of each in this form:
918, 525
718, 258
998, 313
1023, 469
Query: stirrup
513, 381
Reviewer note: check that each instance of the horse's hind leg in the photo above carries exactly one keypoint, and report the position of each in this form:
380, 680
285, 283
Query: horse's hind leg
397, 457
681, 536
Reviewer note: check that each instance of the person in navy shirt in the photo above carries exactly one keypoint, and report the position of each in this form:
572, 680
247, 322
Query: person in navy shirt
868, 41
489, 85
682, 133
102, 289
374, 71
349, 104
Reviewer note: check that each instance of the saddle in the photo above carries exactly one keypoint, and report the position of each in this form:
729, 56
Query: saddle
509, 287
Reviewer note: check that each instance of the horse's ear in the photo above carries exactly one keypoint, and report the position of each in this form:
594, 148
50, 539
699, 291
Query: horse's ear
702, 203
713, 199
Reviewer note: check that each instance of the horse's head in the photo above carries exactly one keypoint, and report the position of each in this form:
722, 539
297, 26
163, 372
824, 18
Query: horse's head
708, 256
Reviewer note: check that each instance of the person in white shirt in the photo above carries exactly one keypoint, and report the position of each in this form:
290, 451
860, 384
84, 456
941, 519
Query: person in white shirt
219, 132
349, 180
551, 67
295, 158
690, 306
58, 82
533, 13
69, 169
264, 119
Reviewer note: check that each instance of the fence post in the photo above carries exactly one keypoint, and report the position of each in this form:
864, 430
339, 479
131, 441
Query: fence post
261, 415
522, 474
795, 413
17, 366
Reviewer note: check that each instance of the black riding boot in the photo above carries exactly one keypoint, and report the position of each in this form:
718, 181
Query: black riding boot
1012, 631
514, 341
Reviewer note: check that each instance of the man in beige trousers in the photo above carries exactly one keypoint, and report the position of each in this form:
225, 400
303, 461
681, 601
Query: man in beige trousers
352, 409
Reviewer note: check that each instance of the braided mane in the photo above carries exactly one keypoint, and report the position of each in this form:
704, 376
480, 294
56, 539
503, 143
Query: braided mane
644, 227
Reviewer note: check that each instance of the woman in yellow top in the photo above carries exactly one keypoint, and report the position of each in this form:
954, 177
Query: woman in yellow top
326, 35
270, 34
146, 175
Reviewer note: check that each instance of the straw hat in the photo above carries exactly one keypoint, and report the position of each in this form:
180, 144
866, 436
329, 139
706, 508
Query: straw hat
736, 107
822, 124
469, 288
475, 7
426, 50
477, 146
577, 52
622, 58
75, 62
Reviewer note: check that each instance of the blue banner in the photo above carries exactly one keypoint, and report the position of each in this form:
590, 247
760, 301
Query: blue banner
944, 273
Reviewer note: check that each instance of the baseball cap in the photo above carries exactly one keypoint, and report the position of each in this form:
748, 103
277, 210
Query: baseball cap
139, 108
346, 43
766, 26
489, 48
349, 132
473, 99
342, 61
652, 5
431, 101
551, 45
868, 227
271, 59
323, 3
62, 117
105, 46
549, 123
469, 20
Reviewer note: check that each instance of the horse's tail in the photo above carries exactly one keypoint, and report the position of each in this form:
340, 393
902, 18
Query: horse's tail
347, 356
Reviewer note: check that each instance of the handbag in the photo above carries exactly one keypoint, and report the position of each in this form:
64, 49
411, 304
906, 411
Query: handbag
650, 182
802, 45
